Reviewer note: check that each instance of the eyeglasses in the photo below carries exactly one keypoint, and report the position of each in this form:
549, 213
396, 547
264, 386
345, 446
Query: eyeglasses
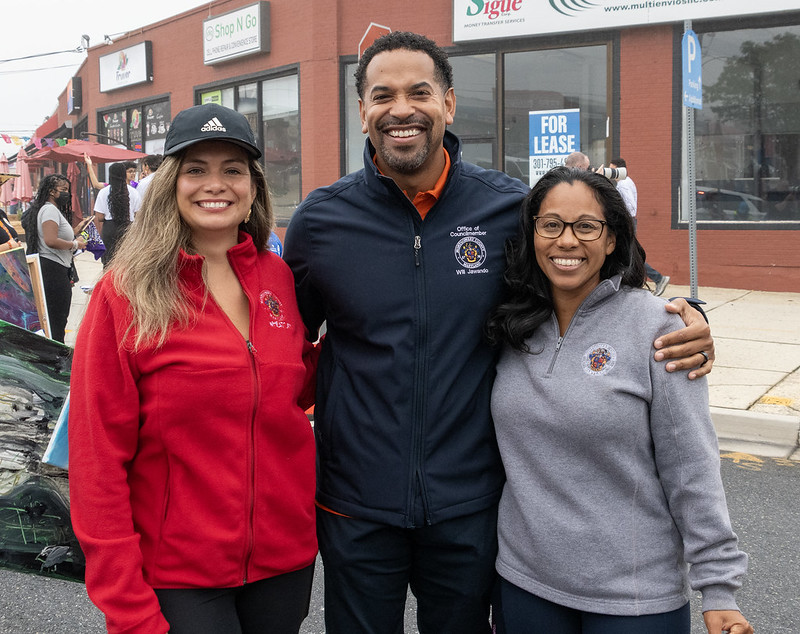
585, 230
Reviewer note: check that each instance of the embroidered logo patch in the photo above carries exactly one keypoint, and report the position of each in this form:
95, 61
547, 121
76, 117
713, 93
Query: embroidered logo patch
599, 359
270, 302
470, 252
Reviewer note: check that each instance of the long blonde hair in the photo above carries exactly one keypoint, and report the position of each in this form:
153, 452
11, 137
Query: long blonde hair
144, 268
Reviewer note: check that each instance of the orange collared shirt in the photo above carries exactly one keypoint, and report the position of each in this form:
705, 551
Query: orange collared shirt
423, 201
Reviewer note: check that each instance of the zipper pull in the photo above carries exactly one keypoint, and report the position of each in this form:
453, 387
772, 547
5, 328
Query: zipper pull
417, 247
251, 348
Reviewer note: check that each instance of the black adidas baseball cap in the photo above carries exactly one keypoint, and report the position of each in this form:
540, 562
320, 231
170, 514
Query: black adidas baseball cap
210, 122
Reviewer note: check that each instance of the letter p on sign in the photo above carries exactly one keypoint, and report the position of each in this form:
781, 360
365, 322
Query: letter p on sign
692, 71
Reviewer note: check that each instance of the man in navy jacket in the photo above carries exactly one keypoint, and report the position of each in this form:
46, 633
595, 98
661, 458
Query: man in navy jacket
403, 260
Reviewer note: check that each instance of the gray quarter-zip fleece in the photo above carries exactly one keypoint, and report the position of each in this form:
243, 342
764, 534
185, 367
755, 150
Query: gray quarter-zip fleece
613, 502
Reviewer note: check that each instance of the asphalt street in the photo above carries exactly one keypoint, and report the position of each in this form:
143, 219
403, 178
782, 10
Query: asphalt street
764, 507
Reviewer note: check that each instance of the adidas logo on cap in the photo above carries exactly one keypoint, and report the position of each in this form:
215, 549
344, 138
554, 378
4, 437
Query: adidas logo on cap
213, 125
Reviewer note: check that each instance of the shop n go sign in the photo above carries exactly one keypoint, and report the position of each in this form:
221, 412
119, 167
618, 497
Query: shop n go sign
237, 33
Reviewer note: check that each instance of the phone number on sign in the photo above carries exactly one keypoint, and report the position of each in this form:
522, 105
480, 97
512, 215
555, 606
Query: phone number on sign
545, 163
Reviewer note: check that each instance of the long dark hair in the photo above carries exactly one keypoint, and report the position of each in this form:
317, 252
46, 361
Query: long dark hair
528, 299
119, 203
30, 219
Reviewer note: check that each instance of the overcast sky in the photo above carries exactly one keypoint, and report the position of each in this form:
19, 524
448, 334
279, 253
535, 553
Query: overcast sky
29, 89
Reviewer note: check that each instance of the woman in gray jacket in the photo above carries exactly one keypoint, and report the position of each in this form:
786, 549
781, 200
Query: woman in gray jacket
613, 506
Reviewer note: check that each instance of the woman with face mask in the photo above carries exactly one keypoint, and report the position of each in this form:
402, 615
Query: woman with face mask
53, 236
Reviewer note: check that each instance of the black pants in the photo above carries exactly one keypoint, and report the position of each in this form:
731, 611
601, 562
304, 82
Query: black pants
276, 605
369, 568
111, 234
57, 295
519, 612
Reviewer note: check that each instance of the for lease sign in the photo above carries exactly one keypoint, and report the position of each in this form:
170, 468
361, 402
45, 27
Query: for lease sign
553, 135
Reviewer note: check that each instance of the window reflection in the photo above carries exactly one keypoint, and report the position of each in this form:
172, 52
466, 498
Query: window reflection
535, 80
555, 79
281, 135
747, 136
354, 139
476, 111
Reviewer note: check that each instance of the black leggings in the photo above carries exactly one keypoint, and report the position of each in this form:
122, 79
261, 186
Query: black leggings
519, 612
276, 605
111, 234
57, 295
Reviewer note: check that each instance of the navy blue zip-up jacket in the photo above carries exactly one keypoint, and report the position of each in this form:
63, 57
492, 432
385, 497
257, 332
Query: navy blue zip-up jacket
402, 418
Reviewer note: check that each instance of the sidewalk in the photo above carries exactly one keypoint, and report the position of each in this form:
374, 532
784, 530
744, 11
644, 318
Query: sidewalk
754, 389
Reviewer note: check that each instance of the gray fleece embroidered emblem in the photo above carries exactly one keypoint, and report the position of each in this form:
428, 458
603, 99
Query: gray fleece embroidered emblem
599, 359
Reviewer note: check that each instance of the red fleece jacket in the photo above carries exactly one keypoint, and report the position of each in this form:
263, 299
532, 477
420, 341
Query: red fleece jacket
192, 465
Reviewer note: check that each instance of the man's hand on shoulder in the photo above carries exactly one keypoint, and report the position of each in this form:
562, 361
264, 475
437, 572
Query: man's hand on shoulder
690, 348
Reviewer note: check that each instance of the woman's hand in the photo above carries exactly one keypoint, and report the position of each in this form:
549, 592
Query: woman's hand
81, 243
690, 347
731, 621
82, 225
11, 244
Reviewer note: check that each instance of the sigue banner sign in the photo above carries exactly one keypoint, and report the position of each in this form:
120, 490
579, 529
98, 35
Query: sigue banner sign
491, 19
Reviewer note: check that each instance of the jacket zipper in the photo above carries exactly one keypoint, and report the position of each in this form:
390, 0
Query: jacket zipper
416, 472
251, 521
252, 354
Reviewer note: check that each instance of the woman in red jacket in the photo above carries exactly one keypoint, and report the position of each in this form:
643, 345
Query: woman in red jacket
191, 458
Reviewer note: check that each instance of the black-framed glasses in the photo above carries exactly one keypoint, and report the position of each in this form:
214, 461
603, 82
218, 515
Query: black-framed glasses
586, 229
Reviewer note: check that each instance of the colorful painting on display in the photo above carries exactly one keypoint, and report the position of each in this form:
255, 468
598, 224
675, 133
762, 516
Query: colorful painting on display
35, 528
17, 299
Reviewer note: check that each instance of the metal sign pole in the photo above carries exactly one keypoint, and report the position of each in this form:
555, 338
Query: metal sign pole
688, 197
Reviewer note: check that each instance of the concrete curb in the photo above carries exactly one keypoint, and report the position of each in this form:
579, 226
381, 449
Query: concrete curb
770, 435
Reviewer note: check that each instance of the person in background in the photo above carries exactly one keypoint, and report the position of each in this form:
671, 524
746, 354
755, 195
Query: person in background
275, 245
150, 164
49, 231
191, 458
613, 503
130, 173
92, 174
403, 260
578, 160
8, 235
627, 189
114, 209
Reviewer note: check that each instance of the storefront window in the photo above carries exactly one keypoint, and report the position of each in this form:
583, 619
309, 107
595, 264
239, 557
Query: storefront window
476, 112
114, 127
156, 125
281, 136
135, 129
747, 136
474, 79
247, 104
354, 138
141, 128
272, 109
555, 79
567, 78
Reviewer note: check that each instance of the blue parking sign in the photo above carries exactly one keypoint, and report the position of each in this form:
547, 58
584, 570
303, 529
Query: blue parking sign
692, 71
